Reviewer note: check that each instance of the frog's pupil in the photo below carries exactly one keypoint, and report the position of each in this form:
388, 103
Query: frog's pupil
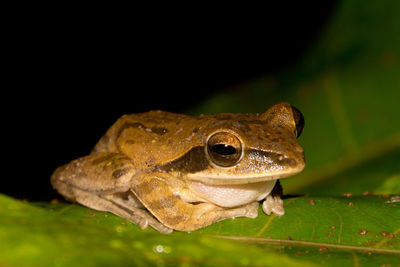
223, 149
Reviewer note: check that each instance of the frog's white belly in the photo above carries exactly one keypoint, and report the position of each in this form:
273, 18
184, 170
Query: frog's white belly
232, 195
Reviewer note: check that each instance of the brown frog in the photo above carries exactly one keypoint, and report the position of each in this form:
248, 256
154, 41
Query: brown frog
173, 171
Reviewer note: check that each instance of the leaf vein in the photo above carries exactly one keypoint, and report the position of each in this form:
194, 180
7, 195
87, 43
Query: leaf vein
263, 240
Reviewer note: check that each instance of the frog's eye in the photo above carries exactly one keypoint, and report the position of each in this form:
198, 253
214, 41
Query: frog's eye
224, 149
299, 120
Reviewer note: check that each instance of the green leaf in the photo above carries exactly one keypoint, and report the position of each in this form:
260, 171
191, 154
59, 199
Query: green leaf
390, 186
68, 235
315, 230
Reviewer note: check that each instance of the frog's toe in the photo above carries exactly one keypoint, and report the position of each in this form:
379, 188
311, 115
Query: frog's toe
161, 228
143, 224
165, 230
278, 210
266, 208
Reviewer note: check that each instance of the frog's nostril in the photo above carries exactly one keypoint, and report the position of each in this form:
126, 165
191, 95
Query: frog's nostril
284, 160
277, 157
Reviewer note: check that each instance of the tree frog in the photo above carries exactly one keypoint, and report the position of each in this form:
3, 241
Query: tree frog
180, 172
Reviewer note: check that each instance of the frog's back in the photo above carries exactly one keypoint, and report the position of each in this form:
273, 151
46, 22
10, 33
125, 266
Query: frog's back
152, 137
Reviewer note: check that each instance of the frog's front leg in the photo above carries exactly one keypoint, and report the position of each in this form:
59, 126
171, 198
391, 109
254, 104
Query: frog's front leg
101, 181
172, 211
273, 202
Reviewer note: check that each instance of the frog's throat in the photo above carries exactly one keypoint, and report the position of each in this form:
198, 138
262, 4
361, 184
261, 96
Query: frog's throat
226, 179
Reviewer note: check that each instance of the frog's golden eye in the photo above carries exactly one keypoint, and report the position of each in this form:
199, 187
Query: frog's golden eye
299, 120
224, 149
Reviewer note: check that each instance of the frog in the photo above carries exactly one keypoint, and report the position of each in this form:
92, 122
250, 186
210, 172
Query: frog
181, 172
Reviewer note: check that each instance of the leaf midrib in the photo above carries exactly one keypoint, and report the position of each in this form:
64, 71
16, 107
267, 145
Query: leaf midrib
271, 241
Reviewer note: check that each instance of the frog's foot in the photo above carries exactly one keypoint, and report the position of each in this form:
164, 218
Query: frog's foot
207, 209
128, 208
251, 210
137, 212
273, 204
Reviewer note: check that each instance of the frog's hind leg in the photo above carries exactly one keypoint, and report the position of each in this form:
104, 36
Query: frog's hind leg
171, 210
101, 181
124, 205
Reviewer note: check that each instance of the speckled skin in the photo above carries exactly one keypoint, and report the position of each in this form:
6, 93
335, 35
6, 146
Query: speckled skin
142, 168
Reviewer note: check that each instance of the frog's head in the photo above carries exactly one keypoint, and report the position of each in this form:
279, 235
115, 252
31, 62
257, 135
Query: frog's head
246, 148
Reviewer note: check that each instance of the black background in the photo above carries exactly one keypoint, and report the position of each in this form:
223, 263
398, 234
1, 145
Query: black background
71, 76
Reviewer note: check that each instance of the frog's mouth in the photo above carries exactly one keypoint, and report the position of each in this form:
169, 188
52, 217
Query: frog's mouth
220, 178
